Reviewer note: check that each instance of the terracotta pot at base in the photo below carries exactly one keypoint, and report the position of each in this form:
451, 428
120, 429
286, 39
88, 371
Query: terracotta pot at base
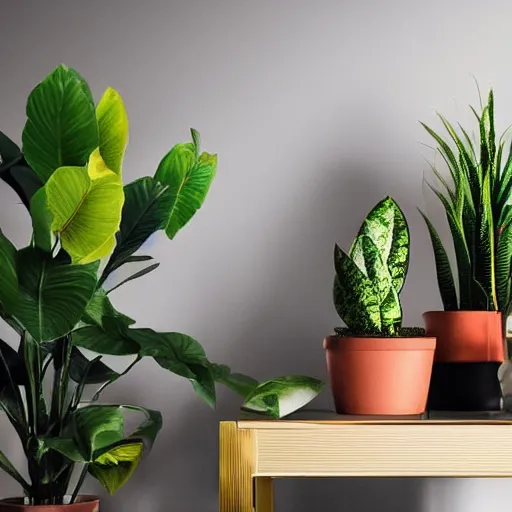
82, 504
469, 352
379, 376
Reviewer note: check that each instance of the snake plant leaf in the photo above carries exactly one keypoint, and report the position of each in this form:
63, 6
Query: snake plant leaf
283, 395
82, 370
61, 128
146, 210
42, 220
113, 129
86, 205
491, 134
391, 313
354, 296
484, 258
9, 275
443, 269
504, 268
53, 296
387, 228
180, 354
189, 179
237, 382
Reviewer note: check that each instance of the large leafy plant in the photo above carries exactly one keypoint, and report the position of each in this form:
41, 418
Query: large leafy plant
371, 276
475, 197
54, 293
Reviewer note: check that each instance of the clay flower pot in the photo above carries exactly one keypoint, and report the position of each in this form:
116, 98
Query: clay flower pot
379, 376
466, 336
82, 504
469, 353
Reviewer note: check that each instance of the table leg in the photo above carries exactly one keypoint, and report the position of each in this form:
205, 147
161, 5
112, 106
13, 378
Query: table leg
263, 494
237, 455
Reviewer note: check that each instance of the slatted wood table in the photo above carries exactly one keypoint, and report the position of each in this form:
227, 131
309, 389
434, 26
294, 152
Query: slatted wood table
315, 444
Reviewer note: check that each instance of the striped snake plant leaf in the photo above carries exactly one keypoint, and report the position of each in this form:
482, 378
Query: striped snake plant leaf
504, 268
491, 134
378, 273
443, 269
354, 295
387, 228
484, 250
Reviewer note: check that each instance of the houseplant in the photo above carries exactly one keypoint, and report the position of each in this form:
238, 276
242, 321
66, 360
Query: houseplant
54, 294
471, 330
375, 365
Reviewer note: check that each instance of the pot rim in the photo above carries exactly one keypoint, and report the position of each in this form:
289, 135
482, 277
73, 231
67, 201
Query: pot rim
15, 502
376, 344
463, 312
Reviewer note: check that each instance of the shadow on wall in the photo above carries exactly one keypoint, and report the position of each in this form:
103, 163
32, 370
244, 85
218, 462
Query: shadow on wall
186, 459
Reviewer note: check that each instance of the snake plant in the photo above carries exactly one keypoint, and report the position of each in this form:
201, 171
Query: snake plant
475, 198
370, 278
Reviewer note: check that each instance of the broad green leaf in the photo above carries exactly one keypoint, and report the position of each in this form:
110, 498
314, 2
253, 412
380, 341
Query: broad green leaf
8, 275
239, 383
189, 179
103, 329
146, 210
283, 395
115, 467
61, 128
180, 354
83, 370
113, 128
42, 219
86, 204
443, 269
387, 228
52, 296
354, 296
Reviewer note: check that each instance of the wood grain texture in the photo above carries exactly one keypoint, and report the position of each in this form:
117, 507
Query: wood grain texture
236, 467
385, 450
263, 494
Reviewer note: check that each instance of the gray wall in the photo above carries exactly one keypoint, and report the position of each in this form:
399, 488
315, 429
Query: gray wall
313, 109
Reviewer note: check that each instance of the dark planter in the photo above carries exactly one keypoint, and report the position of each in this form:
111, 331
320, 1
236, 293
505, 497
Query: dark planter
465, 387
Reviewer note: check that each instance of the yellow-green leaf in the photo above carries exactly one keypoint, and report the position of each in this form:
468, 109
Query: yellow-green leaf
113, 127
86, 204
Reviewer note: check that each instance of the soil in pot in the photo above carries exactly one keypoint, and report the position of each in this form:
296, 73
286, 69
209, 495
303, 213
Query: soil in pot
379, 376
469, 352
82, 504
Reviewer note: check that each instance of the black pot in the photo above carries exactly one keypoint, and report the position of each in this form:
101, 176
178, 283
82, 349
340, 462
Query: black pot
465, 387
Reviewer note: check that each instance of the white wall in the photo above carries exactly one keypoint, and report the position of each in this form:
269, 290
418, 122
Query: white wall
313, 107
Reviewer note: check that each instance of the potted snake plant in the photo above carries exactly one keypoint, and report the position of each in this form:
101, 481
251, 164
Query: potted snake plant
55, 294
375, 365
471, 330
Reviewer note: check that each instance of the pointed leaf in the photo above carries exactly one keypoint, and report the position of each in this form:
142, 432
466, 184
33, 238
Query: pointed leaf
136, 275
9, 274
239, 383
86, 205
283, 395
24, 181
53, 296
89, 372
354, 296
189, 179
9, 468
443, 269
113, 129
61, 128
146, 210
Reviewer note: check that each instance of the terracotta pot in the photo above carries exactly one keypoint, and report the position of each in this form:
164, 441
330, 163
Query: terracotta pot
374, 376
466, 336
82, 504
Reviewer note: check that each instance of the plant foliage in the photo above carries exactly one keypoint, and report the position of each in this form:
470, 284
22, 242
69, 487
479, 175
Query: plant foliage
369, 279
86, 225
476, 199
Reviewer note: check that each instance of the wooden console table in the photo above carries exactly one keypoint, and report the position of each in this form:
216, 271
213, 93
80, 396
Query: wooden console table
255, 451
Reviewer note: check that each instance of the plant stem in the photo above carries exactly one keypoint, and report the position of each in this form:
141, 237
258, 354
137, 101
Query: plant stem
103, 386
80, 482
